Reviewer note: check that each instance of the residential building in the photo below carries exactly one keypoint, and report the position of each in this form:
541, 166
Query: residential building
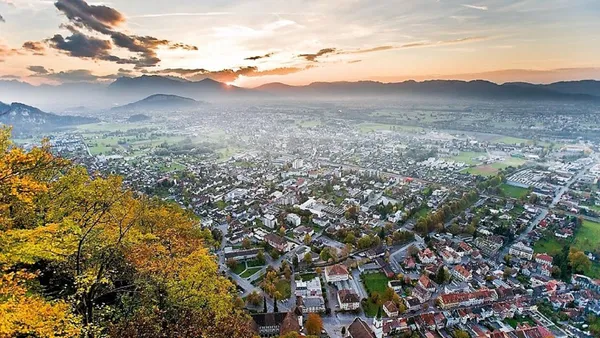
336, 273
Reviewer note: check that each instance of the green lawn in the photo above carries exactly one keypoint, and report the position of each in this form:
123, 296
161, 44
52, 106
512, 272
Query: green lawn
512, 191
370, 308
588, 237
512, 140
285, 288
240, 267
375, 282
250, 271
468, 157
492, 169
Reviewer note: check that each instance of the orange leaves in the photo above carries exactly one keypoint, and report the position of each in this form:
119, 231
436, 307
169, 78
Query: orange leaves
22, 314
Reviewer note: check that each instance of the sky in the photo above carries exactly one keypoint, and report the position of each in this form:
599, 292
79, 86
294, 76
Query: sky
250, 43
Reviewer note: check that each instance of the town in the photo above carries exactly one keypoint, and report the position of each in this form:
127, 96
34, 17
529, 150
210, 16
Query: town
350, 228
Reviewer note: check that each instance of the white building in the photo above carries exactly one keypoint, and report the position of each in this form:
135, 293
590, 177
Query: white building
293, 219
270, 221
521, 250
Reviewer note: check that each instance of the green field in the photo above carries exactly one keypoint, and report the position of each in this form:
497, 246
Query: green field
284, 288
239, 268
467, 157
512, 140
422, 212
250, 271
514, 192
492, 169
309, 123
375, 282
588, 237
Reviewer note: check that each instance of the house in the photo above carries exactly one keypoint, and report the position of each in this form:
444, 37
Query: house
521, 250
421, 294
527, 331
302, 231
293, 219
241, 255
390, 309
313, 304
396, 285
270, 221
395, 326
359, 329
412, 303
427, 284
336, 273
348, 300
449, 256
277, 242
464, 249
586, 282
453, 300
275, 324
459, 272
427, 256
310, 288
544, 259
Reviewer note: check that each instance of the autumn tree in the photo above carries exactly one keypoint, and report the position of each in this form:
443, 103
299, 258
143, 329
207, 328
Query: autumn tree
578, 261
314, 324
115, 262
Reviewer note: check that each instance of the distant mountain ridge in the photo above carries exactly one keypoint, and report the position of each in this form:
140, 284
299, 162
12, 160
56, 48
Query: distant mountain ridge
27, 118
132, 89
161, 102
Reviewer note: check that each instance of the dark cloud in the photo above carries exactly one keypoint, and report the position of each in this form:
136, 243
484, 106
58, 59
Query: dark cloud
9, 77
35, 47
314, 57
7, 51
104, 20
370, 50
354, 61
81, 45
2, 18
39, 70
258, 57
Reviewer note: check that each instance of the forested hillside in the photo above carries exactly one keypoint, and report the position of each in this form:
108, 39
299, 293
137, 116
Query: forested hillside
81, 256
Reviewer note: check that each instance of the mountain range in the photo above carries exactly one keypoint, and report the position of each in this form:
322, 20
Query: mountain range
29, 119
160, 102
124, 90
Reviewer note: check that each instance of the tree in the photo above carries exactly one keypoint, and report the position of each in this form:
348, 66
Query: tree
461, 334
114, 261
254, 298
260, 257
307, 239
246, 244
307, 258
442, 275
314, 324
578, 261
232, 263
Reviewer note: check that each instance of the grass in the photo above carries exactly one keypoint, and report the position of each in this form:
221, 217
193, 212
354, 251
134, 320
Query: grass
492, 169
514, 321
308, 276
252, 264
467, 157
284, 288
171, 167
423, 212
250, 271
240, 267
309, 123
587, 237
512, 191
375, 282
512, 140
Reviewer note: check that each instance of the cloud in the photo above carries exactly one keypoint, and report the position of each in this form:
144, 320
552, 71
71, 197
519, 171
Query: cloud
35, 47
228, 75
315, 56
369, 50
72, 76
161, 15
444, 42
7, 51
105, 20
481, 8
38, 70
2, 18
354, 61
258, 57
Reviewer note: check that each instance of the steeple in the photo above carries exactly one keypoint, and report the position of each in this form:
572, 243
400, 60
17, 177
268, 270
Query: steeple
378, 324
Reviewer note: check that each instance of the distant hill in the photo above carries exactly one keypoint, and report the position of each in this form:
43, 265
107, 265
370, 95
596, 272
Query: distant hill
99, 96
207, 89
26, 118
161, 102
478, 89
139, 118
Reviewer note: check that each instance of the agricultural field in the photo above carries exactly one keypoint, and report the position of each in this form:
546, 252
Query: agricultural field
514, 192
